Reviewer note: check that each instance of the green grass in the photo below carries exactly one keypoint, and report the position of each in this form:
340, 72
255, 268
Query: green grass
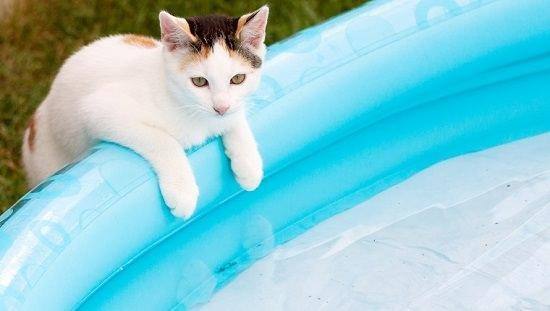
38, 36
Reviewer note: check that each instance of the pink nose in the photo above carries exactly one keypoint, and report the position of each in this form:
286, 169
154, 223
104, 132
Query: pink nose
221, 110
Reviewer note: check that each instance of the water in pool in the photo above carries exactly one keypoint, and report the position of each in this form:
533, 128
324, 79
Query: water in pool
472, 232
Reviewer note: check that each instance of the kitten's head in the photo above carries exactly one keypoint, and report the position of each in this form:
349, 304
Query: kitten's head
214, 62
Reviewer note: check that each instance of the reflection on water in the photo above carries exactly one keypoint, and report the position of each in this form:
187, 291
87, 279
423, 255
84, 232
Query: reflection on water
469, 233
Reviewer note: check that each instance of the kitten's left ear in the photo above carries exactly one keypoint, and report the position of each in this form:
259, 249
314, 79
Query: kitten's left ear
175, 32
251, 27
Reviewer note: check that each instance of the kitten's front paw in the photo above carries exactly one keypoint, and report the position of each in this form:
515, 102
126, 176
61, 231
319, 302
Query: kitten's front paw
248, 172
181, 198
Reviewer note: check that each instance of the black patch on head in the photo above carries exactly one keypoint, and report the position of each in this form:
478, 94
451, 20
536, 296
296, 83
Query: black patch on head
213, 28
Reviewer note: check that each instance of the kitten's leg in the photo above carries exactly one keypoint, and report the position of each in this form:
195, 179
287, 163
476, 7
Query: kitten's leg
246, 162
160, 149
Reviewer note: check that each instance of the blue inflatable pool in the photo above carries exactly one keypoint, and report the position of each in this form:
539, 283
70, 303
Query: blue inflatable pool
345, 110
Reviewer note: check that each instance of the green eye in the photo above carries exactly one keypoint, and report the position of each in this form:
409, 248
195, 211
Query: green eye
238, 78
199, 81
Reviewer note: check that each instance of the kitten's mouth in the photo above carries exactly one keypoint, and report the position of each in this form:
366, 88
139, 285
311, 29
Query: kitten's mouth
224, 115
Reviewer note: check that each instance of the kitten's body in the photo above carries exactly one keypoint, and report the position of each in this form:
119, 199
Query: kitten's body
119, 67
127, 89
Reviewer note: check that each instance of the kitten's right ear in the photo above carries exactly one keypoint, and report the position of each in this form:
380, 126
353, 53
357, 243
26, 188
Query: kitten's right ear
174, 31
251, 27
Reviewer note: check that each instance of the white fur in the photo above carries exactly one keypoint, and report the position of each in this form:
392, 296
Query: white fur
141, 98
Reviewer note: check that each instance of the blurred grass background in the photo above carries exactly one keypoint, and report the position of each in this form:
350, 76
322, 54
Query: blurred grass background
36, 36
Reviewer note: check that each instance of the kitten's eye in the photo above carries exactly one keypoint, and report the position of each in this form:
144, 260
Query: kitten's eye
199, 81
238, 78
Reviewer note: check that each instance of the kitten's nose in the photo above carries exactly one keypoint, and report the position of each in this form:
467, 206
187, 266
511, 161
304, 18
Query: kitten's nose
222, 109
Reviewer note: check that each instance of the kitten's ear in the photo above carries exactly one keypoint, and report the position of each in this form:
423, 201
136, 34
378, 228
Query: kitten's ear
174, 31
251, 27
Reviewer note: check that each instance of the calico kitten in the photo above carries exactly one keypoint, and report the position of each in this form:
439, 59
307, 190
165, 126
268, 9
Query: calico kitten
157, 98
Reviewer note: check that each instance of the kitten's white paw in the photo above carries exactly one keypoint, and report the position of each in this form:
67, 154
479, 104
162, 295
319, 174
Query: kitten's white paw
248, 172
181, 198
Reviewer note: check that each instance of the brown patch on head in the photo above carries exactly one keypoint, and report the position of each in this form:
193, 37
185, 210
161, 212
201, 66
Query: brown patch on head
246, 56
31, 128
188, 59
141, 41
254, 60
194, 56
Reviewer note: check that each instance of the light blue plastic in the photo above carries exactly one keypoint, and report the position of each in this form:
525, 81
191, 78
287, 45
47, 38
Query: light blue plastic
345, 110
